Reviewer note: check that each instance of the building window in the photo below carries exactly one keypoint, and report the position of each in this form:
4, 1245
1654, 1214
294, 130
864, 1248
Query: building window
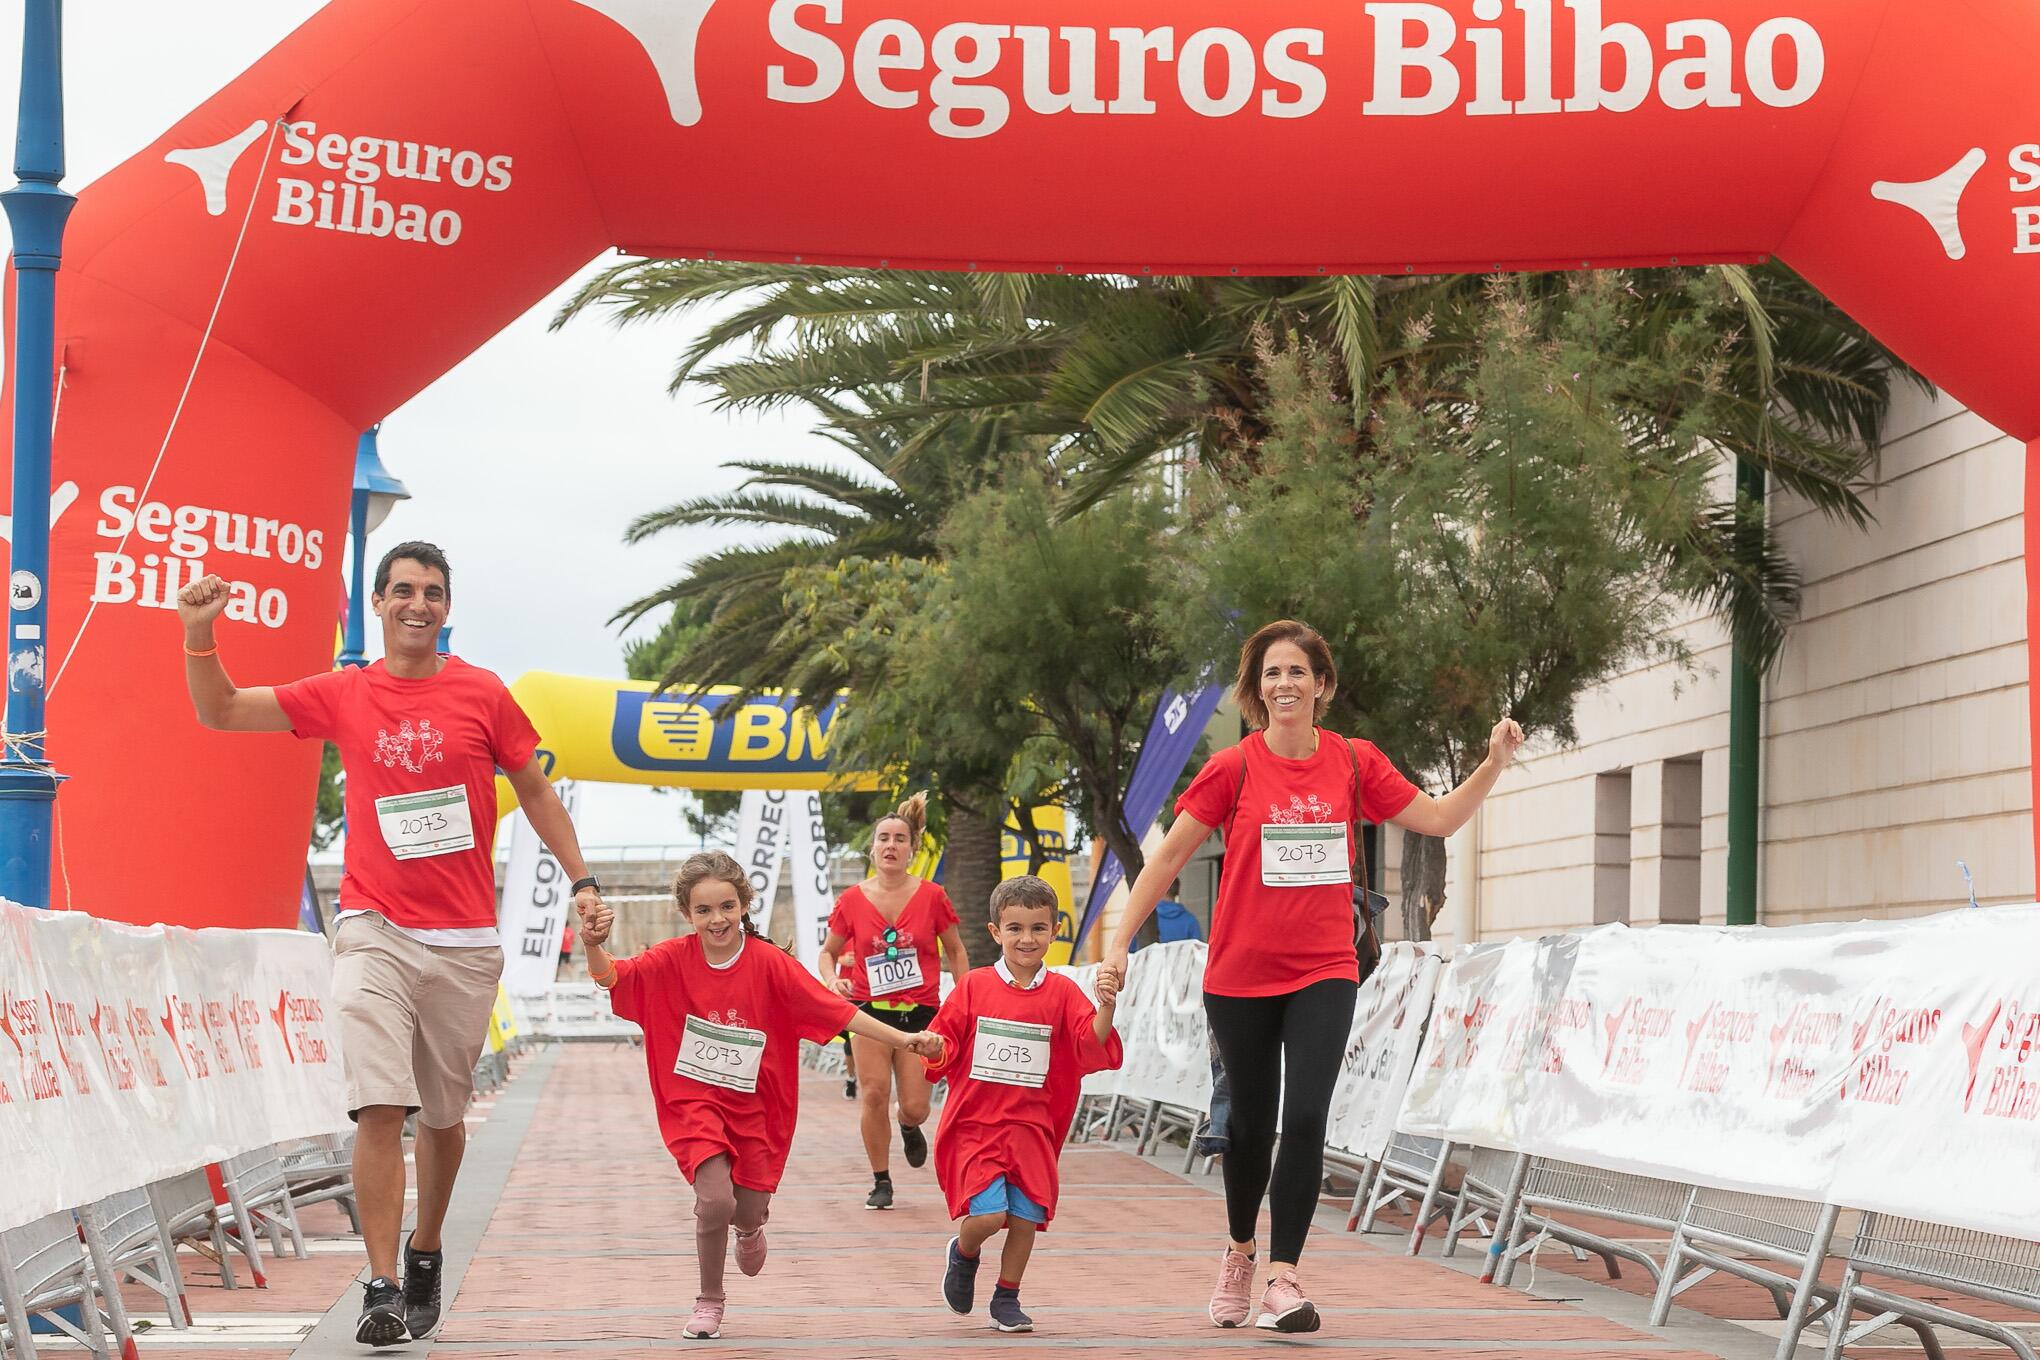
1611, 847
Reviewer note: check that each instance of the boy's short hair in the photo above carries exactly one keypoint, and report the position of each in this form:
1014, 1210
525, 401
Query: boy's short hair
1024, 891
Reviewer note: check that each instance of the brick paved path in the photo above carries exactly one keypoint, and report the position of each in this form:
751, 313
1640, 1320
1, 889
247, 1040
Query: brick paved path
590, 1252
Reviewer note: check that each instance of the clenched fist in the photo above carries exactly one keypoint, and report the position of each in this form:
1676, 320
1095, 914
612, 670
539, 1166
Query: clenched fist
204, 600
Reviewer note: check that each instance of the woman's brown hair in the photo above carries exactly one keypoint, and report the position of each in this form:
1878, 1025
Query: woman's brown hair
914, 812
1247, 688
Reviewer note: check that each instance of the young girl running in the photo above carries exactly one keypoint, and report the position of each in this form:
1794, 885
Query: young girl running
885, 931
723, 1013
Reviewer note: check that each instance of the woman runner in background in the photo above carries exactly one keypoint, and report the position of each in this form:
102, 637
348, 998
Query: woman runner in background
890, 925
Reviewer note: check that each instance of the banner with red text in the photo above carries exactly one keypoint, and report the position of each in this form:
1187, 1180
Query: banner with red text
1388, 1027
132, 1054
1879, 1065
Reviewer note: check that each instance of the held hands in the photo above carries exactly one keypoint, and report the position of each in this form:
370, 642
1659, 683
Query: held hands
1114, 963
927, 1044
204, 600
1109, 980
596, 919
1504, 741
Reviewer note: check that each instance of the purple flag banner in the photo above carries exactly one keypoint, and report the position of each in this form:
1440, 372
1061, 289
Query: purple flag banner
1180, 718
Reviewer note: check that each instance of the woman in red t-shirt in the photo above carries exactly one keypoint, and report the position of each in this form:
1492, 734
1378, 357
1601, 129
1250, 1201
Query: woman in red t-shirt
724, 1011
1281, 973
886, 930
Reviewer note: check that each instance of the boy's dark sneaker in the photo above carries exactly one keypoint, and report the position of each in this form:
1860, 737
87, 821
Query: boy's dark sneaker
382, 1313
959, 1279
422, 1270
1006, 1314
880, 1196
915, 1144
850, 1089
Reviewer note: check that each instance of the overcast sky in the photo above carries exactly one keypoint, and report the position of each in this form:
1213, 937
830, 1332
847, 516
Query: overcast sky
485, 450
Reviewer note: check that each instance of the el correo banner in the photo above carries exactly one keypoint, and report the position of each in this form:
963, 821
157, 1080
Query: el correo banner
536, 903
130, 1054
1886, 1066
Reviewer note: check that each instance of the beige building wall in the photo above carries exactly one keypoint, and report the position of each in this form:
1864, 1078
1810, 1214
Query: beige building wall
1895, 729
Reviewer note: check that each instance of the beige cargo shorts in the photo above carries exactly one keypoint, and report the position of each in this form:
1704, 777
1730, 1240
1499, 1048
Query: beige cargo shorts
413, 1018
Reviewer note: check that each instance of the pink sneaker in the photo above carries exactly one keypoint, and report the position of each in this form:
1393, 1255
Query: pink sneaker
1284, 1308
751, 1251
706, 1323
1229, 1299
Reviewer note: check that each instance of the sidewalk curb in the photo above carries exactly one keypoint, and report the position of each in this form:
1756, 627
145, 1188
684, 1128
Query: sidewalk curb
485, 1170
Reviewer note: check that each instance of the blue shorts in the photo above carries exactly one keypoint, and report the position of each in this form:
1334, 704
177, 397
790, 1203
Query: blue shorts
1004, 1197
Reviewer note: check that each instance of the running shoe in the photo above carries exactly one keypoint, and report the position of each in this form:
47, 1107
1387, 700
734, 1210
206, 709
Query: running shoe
382, 1313
850, 1089
1284, 1308
959, 1279
1006, 1314
706, 1322
915, 1144
880, 1196
422, 1270
751, 1251
1231, 1300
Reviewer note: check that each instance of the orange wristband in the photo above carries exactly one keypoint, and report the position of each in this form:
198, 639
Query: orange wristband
213, 650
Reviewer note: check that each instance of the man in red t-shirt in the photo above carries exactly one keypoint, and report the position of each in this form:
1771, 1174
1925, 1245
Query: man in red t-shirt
416, 953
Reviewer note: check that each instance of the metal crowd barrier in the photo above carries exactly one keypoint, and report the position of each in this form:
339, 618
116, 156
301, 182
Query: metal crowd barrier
1978, 1265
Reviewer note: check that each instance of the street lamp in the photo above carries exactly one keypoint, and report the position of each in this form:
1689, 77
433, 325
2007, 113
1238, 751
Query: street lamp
376, 493
36, 210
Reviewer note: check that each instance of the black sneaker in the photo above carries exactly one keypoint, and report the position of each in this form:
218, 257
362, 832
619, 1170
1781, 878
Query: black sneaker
1006, 1314
382, 1313
959, 1279
422, 1270
880, 1196
850, 1089
915, 1144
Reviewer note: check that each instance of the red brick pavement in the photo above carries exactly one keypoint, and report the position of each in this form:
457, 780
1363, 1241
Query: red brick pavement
591, 1252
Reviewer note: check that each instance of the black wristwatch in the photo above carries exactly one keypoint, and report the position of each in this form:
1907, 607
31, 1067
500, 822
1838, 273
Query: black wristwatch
588, 882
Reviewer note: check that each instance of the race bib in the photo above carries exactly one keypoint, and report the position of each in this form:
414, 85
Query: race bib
1305, 856
1011, 1053
421, 825
900, 973
720, 1055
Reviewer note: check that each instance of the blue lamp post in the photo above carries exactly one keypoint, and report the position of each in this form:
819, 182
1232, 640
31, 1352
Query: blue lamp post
376, 493
36, 210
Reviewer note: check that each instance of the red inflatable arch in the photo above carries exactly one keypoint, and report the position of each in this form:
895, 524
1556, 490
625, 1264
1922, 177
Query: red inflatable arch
400, 178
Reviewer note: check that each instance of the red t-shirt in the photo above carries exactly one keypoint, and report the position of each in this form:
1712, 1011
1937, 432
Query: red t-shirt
764, 990
921, 923
990, 1129
447, 733
1269, 941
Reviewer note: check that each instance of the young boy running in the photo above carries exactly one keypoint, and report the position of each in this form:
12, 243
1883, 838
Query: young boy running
1017, 1041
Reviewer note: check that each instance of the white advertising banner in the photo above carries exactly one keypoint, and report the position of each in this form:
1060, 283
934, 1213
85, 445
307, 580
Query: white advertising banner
1388, 1025
764, 825
1878, 1065
1160, 1020
536, 901
811, 899
132, 1054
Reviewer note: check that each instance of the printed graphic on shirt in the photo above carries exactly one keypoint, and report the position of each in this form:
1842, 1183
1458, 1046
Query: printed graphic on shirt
410, 747
1302, 810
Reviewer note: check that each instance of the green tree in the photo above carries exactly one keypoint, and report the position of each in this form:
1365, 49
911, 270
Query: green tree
329, 815
1500, 553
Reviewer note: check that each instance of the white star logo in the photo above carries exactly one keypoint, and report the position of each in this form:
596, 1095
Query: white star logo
1938, 200
667, 30
212, 164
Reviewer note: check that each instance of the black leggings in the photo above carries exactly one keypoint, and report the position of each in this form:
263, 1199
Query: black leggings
1279, 1051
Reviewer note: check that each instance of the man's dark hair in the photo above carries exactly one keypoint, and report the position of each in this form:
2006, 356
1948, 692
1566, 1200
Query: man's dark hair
424, 554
